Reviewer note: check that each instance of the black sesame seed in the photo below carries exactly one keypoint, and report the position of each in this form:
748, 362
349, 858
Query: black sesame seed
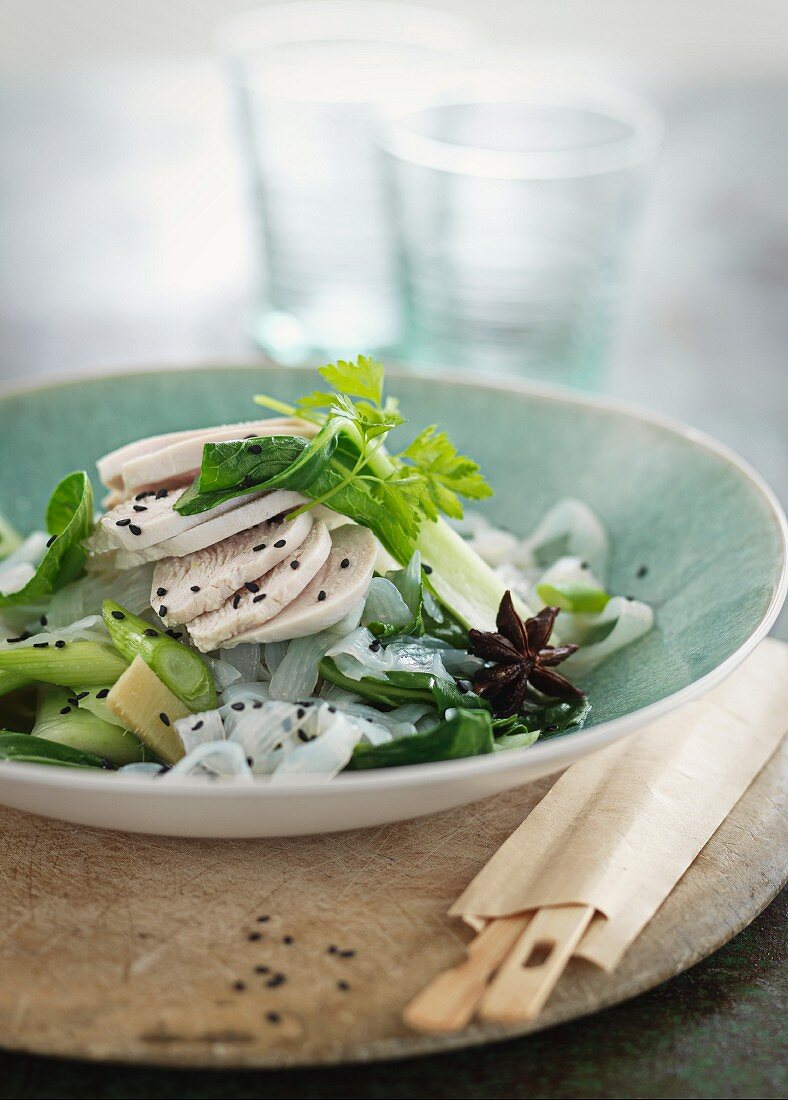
195, 588
344, 563
584, 565
321, 596
300, 713
162, 610
263, 920
40, 645
236, 601
294, 565
21, 638
118, 615
251, 586
287, 939
343, 985
346, 954
82, 695
151, 633
332, 710
135, 530
332, 949
427, 569
240, 986
164, 719
123, 522
103, 693
51, 540
253, 937
140, 508
260, 546
161, 591
262, 969
237, 706
250, 761
303, 735
197, 726
278, 979
374, 646
280, 542
642, 571
66, 710
630, 598
257, 599
60, 644
273, 1017
255, 449
161, 494
257, 704
174, 634
44, 620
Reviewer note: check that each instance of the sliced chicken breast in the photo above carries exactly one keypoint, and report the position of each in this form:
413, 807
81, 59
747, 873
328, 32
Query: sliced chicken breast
186, 587
148, 519
178, 463
273, 591
260, 507
334, 592
110, 467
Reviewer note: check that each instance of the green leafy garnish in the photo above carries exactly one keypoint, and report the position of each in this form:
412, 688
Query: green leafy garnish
465, 733
69, 520
10, 539
26, 749
445, 473
401, 687
400, 497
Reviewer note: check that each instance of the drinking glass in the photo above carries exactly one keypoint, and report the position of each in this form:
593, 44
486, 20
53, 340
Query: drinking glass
309, 80
515, 199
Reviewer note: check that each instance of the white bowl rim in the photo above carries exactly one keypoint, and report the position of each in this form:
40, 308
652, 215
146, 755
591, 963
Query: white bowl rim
553, 754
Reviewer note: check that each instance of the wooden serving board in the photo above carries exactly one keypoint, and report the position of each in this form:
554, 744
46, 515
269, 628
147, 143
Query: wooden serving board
304, 951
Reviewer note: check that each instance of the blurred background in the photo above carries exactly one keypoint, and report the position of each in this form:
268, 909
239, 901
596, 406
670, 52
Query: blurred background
589, 191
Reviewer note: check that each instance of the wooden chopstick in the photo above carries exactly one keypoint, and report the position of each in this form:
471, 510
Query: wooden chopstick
449, 1002
513, 965
531, 970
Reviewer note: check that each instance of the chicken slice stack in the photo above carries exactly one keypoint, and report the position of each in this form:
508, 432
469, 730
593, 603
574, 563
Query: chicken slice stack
251, 569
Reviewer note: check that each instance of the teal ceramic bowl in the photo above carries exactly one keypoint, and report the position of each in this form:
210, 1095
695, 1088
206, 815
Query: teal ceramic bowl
709, 530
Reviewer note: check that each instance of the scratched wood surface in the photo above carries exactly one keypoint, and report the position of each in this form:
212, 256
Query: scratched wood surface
304, 951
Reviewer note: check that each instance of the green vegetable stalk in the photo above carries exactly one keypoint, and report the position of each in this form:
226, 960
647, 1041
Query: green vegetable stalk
180, 668
10, 681
87, 663
61, 718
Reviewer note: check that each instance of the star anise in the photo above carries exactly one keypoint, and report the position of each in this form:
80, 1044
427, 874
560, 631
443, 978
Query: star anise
519, 656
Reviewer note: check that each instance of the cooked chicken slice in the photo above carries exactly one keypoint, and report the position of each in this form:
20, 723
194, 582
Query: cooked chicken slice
179, 462
251, 509
147, 519
248, 608
110, 467
184, 588
333, 593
